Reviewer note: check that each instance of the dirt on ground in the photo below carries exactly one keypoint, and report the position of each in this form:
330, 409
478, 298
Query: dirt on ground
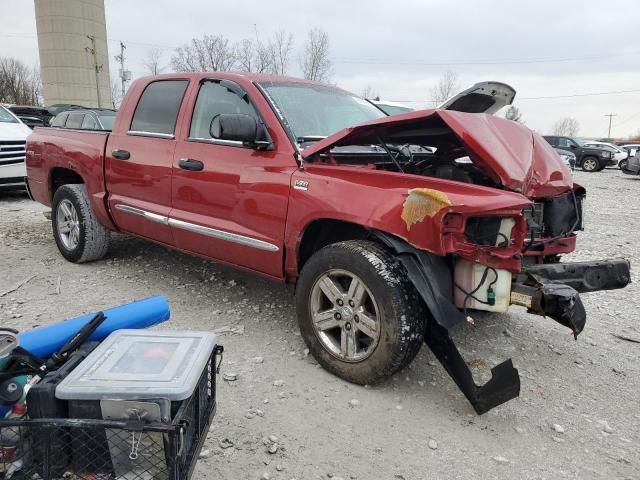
578, 414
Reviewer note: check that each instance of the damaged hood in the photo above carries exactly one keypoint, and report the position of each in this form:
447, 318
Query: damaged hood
508, 152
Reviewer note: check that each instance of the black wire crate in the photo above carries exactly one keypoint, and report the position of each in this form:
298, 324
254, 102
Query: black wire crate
98, 449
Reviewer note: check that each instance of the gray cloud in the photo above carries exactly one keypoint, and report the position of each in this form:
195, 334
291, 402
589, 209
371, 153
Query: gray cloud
395, 46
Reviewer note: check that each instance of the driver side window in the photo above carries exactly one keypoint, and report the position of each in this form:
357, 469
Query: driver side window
214, 99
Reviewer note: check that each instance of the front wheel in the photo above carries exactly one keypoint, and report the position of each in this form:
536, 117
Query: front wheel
591, 164
358, 313
623, 164
78, 234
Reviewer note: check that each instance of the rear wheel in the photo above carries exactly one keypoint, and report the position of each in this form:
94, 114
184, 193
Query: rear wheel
77, 232
360, 316
623, 164
591, 164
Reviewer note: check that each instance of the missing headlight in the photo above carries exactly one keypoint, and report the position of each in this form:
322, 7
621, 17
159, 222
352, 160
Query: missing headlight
493, 231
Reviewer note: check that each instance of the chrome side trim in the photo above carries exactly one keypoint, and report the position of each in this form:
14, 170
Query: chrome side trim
222, 235
153, 217
138, 133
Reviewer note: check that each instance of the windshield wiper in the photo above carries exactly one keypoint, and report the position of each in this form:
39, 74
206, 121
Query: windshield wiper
310, 138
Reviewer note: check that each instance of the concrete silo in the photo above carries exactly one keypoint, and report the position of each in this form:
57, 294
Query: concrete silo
72, 40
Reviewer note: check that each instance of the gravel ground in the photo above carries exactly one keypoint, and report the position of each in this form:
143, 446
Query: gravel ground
578, 414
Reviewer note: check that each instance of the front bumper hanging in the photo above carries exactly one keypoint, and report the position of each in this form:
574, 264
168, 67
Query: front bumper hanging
551, 290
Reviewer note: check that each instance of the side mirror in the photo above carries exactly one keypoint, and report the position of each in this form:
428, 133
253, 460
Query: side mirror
573, 145
237, 127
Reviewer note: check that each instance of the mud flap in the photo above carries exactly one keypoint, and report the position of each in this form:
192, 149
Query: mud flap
432, 276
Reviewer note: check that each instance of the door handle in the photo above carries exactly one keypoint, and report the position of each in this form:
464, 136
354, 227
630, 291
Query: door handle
190, 164
121, 154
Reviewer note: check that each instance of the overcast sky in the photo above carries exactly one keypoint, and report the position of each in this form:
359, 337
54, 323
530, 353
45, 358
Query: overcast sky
400, 47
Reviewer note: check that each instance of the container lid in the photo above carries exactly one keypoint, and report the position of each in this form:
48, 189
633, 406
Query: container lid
140, 364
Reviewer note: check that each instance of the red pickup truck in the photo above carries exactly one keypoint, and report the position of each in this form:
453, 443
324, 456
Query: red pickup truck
390, 227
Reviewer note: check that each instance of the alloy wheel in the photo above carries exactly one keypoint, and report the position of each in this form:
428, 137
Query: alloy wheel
345, 315
68, 224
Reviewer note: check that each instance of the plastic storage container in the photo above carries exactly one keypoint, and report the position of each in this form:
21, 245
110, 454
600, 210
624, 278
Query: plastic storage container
139, 365
162, 367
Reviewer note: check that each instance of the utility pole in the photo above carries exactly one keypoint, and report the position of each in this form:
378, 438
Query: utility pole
92, 50
123, 72
610, 115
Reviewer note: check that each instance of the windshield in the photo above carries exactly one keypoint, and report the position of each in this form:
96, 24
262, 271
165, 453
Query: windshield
317, 111
107, 121
6, 117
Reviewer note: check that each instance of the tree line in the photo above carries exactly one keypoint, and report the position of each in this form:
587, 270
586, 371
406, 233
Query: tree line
19, 84
273, 56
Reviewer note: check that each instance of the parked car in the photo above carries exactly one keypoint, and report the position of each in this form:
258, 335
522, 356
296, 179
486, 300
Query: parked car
32, 116
631, 150
618, 153
94, 119
391, 108
13, 135
387, 243
590, 159
567, 157
483, 97
632, 165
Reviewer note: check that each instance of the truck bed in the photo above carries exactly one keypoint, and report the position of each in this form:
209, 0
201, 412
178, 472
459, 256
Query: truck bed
57, 154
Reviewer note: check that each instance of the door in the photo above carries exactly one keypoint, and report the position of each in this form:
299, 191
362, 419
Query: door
230, 200
138, 163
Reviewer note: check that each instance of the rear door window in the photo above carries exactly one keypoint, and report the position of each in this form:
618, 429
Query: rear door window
75, 120
89, 123
158, 107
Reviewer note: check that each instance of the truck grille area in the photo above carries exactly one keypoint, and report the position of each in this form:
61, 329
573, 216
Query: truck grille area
12, 152
555, 217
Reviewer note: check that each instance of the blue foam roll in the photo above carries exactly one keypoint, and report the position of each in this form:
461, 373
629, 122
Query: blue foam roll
44, 341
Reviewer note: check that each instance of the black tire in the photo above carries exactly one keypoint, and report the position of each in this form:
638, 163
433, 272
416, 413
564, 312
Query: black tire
92, 238
623, 164
401, 312
591, 164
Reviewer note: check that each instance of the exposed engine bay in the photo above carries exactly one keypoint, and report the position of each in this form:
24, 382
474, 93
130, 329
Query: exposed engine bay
430, 149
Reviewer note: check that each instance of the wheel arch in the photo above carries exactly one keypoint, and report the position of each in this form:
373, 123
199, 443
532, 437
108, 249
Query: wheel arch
60, 176
324, 231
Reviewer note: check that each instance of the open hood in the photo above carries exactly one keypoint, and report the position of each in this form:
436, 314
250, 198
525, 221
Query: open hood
507, 152
483, 97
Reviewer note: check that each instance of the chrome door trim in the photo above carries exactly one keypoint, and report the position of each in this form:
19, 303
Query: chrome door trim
153, 217
139, 133
223, 235
192, 227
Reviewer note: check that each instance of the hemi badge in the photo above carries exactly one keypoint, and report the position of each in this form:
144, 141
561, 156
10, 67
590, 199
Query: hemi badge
301, 185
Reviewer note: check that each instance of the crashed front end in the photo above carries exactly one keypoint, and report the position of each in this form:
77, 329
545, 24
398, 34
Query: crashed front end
485, 246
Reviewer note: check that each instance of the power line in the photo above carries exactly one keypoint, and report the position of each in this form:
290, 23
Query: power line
592, 94
478, 62
374, 61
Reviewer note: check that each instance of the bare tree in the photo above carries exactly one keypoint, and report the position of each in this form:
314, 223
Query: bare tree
282, 46
446, 87
153, 61
209, 53
567, 126
368, 92
513, 113
19, 84
116, 94
314, 61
